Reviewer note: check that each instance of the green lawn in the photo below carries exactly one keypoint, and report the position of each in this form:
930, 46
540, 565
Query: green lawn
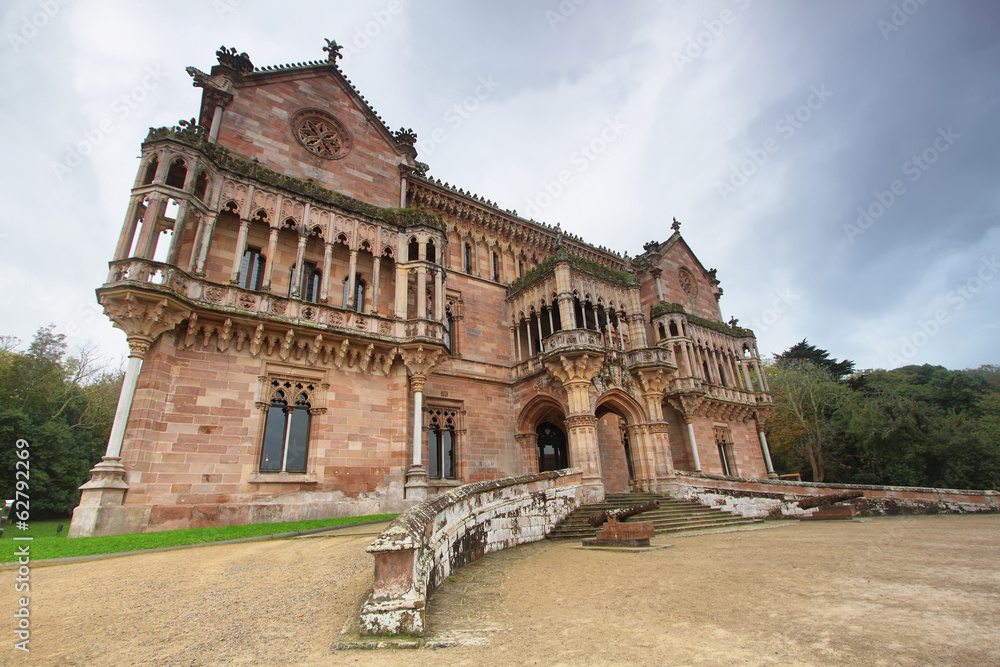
46, 544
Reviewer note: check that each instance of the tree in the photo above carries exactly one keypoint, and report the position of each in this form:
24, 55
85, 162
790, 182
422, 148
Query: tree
809, 398
63, 407
804, 353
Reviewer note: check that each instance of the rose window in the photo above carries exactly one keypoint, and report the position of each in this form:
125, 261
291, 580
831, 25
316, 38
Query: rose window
321, 134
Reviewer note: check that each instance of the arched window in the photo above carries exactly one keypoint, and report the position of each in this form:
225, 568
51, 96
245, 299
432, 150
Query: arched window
201, 186
722, 377
520, 268
708, 376
468, 258
431, 251
673, 329
441, 447
413, 251
177, 174
552, 453
663, 334
286, 428
449, 325
359, 293
150, 174
496, 268
252, 269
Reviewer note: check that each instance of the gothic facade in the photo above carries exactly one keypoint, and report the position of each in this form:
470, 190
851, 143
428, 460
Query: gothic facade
318, 328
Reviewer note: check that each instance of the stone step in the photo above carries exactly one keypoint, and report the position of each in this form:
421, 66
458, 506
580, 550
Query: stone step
671, 516
661, 530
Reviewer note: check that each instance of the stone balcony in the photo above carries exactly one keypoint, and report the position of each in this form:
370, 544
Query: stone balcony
695, 386
230, 299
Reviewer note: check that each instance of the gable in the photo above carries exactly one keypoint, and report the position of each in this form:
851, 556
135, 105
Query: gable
683, 280
309, 123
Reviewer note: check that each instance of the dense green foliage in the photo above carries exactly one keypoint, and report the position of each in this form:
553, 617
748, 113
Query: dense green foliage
46, 544
912, 426
64, 407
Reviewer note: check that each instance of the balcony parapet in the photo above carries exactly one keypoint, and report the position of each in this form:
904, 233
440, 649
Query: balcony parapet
650, 357
166, 278
572, 340
695, 385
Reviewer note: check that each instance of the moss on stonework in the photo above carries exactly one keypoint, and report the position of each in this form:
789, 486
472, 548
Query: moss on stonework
666, 307
579, 263
228, 160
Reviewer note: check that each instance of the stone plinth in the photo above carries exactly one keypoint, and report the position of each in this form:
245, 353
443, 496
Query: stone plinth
615, 534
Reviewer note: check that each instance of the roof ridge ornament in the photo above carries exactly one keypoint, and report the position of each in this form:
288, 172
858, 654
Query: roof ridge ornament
676, 226
333, 51
240, 63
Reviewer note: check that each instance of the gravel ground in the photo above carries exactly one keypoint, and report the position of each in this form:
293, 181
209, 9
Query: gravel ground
893, 591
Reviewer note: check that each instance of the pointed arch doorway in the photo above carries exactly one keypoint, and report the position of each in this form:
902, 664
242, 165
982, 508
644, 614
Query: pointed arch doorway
552, 449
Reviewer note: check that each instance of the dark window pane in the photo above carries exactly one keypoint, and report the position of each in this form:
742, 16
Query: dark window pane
298, 441
274, 437
447, 453
433, 455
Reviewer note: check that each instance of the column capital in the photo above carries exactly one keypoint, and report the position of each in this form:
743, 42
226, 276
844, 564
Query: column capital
417, 383
578, 421
143, 317
138, 347
419, 360
574, 369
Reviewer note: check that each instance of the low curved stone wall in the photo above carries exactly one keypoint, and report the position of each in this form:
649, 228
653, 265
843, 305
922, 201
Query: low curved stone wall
429, 541
776, 499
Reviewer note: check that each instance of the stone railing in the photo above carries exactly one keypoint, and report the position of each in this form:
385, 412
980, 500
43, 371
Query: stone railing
572, 338
233, 298
649, 356
429, 541
761, 498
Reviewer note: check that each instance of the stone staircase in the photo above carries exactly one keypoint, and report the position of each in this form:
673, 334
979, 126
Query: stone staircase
672, 516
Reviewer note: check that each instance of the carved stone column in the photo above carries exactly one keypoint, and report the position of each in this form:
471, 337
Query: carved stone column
272, 249
657, 464
299, 273
143, 318
419, 361
241, 246
204, 242
376, 270
759, 421
575, 371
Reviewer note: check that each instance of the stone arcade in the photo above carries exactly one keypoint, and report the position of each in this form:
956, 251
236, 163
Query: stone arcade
333, 332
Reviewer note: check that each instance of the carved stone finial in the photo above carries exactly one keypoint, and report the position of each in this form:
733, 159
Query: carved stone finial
405, 136
237, 62
733, 322
676, 226
333, 51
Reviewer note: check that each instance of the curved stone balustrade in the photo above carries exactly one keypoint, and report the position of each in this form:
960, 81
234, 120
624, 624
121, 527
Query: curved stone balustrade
166, 277
429, 541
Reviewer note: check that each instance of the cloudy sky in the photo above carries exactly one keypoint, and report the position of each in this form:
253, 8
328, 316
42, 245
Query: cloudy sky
837, 161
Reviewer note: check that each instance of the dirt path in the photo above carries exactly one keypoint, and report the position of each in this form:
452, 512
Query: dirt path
903, 591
